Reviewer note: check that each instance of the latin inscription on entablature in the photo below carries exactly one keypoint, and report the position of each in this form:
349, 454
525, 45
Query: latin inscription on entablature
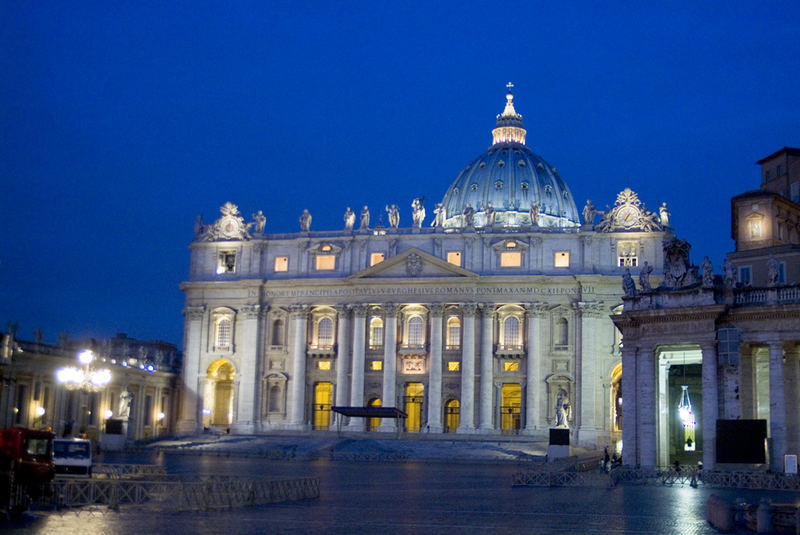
678, 329
421, 291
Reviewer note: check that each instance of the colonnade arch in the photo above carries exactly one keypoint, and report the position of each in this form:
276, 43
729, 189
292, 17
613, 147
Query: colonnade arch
219, 394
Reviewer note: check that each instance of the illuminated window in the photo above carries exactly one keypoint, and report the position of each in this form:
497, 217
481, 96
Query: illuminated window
324, 365
375, 333
511, 332
326, 262
325, 332
325, 248
754, 228
511, 244
415, 331
453, 333
511, 259
281, 263
453, 366
226, 262
376, 258
562, 259
222, 341
511, 366
454, 257
376, 365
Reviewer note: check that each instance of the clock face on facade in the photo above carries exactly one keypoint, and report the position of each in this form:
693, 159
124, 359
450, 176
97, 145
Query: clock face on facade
627, 216
229, 226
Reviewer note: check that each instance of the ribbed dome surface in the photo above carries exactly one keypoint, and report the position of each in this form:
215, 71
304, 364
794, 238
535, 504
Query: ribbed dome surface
510, 177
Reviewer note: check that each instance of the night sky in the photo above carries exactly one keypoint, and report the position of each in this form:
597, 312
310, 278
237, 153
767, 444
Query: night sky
121, 122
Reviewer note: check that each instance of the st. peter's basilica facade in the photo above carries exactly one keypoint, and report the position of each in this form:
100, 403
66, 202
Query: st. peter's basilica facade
491, 318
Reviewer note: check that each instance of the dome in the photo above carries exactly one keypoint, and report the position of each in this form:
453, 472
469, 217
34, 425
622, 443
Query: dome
510, 178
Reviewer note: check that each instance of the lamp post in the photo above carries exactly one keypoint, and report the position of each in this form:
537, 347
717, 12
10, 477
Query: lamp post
85, 378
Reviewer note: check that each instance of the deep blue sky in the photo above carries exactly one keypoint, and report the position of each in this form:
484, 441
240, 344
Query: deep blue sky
120, 122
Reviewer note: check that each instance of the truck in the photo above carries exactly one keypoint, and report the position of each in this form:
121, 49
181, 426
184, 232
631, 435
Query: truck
26, 467
73, 457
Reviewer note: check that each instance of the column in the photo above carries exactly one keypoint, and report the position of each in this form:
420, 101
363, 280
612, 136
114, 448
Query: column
646, 407
190, 394
466, 422
357, 371
777, 407
435, 371
630, 445
791, 393
663, 412
389, 365
710, 404
586, 319
342, 398
487, 368
247, 349
533, 362
297, 387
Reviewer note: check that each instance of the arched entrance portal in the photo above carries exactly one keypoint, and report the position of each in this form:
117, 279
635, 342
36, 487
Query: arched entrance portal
511, 403
615, 404
452, 412
413, 403
373, 423
218, 408
680, 405
323, 395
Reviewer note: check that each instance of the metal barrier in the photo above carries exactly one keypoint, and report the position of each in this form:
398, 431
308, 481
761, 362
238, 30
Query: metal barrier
117, 471
178, 494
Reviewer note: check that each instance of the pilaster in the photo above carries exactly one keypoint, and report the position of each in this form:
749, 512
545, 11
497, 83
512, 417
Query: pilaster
777, 407
466, 423
297, 384
357, 371
710, 403
247, 402
190, 421
435, 370
487, 368
630, 451
389, 365
342, 356
535, 315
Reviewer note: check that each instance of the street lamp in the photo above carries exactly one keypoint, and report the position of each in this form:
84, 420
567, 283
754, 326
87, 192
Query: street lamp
88, 378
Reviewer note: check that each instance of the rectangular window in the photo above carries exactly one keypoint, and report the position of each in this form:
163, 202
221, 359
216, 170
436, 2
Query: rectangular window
376, 258
511, 259
376, 365
454, 257
453, 366
562, 259
511, 366
326, 262
754, 227
281, 263
324, 365
745, 275
794, 192
226, 262
148, 410
782, 273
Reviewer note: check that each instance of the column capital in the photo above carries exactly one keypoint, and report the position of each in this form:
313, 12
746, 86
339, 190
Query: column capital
298, 311
340, 309
468, 309
390, 309
194, 312
487, 309
436, 309
251, 311
359, 310
537, 310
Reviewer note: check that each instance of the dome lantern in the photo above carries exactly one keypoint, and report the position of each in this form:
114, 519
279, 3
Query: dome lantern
509, 123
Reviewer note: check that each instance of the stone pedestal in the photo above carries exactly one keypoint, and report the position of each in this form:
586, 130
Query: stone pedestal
559, 447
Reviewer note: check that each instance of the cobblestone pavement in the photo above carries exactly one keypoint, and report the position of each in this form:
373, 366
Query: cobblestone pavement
413, 497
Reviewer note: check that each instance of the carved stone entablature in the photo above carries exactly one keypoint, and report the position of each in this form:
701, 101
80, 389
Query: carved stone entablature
194, 312
230, 226
629, 213
678, 273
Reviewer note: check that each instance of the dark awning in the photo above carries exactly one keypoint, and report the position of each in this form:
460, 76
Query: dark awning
370, 412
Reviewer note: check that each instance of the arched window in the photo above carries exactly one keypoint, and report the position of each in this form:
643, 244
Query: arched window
222, 338
562, 332
415, 331
511, 332
375, 333
325, 332
277, 333
453, 333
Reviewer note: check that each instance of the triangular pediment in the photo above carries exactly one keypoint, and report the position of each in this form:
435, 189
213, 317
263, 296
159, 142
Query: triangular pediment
412, 264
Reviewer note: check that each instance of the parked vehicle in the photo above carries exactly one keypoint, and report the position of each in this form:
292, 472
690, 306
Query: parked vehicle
73, 457
26, 466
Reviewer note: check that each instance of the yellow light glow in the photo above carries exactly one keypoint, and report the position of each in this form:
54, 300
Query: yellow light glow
376, 258
376, 365
453, 366
281, 263
562, 259
454, 257
324, 365
511, 259
326, 262
511, 366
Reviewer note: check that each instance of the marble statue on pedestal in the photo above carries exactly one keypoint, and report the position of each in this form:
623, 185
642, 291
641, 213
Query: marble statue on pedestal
417, 212
534, 214
260, 221
349, 219
440, 215
644, 277
394, 215
305, 221
773, 271
589, 212
469, 215
664, 213
364, 218
491, 215
562, 410
125, 400
708, 273
628, 286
